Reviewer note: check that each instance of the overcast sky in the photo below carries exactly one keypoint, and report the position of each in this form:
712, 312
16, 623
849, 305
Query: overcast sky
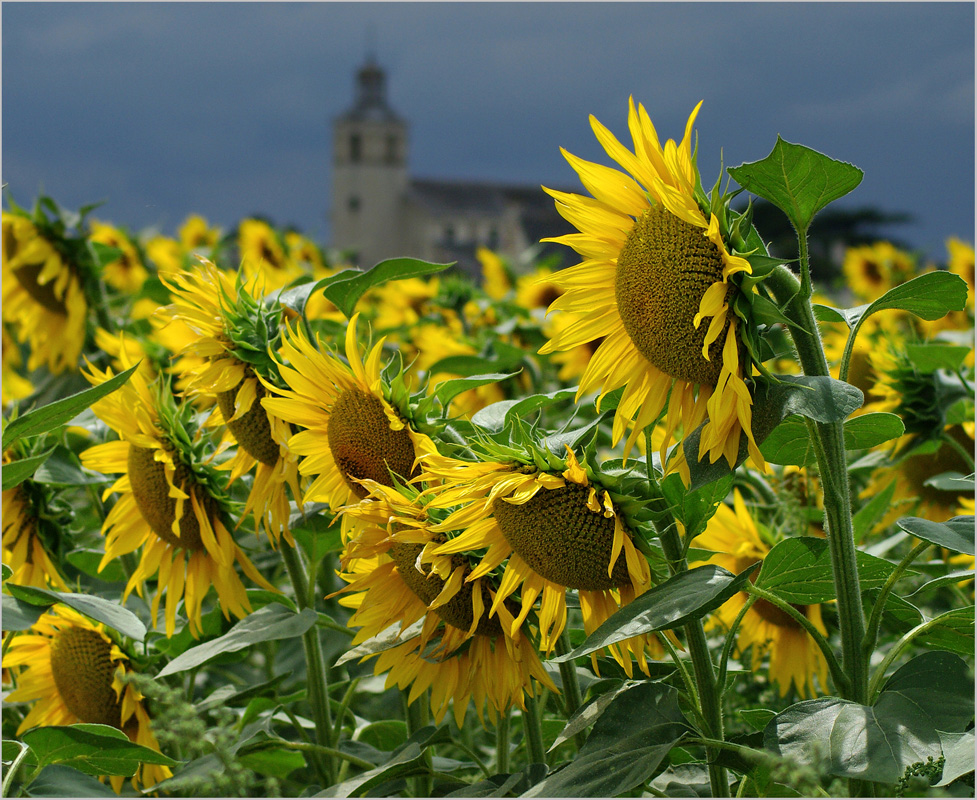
225, 109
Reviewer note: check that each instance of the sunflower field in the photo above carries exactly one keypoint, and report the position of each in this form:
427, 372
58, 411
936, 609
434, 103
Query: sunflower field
683, 519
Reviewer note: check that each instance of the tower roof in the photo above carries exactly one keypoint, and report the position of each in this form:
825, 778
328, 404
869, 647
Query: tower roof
371, 96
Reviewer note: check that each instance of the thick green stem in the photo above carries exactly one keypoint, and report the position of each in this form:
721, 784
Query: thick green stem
417, 718
533, 731
572, 697
828, 441
502, 742
315, 667
710, 699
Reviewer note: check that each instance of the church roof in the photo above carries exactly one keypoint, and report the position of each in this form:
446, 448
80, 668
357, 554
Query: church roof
371, 103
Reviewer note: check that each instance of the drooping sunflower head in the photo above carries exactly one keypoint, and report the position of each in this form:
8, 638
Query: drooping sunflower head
43, 294
262, 252
660, 284
197, 234
545, 524
455, 647
795, 659
170, 502
73, 671
126, 271
354, 428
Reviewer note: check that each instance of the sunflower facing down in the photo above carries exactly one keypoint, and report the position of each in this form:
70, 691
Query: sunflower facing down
42, 296
72, 671
794, 657
352, 430
127, 272
461, 653
554, 530
167, 505
220, 314
655, 270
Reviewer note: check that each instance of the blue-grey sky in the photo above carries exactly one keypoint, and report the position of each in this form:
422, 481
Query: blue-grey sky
225, 109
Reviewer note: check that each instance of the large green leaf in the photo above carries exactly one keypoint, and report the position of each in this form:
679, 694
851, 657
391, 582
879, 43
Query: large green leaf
929, 296
494, 416
682, 598
694, 508
406, 760
629, 740
878, 742
98, 608
954, 630
47, 418
930, 356
956, 534
18, 615
790, 443
798, 180
58, 780
16, 472
345, 293
958, 750
799, 571
447, 390
93, 749
267, 624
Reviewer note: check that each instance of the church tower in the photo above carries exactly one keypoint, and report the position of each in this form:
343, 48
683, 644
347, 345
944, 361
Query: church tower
369, 182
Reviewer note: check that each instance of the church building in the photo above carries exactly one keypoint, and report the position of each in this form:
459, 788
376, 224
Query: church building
379, 211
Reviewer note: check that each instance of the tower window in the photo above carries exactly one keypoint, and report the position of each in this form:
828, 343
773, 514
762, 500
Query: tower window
354, 204
355, 148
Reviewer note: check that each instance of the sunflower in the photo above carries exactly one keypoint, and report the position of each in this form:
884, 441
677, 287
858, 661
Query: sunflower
167, 254
495, 274
127, 272
167, 504
537, 290
15, 386
554, 529
352, 429
196, 233
263, 253
73, 671
871, 270
794, 656
23, 547
655, 267
460, 652
42, 296
227, 322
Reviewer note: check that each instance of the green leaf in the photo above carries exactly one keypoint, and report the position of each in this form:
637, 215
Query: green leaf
956, 534
799, 571
958, 750
16, 472
694, 508
850, 740
938, 685
7, 572
387, 638
494, 416
345, 293
869, 515
929, 296
757, 718
47, 418
58, 780
951, 482
278, 762
447, 390
682, 598
790, 443
629, 740
959, 576
93, 749
928, 357
18, 615
388, 734
406, 760
98, 608
872, 429
954, 631
798, 180
267, 624
62, 469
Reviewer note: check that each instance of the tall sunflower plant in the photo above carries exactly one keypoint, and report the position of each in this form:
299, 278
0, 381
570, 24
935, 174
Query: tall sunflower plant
671, 519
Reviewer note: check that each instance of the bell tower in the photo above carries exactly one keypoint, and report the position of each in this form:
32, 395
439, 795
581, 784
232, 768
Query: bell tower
369, 172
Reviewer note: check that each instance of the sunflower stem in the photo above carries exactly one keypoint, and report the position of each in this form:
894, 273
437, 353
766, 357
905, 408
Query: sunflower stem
702, 667
533, 731
502, 742
315, 667
829, 446
572, 697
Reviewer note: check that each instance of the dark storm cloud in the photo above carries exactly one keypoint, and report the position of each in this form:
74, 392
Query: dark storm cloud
225, 109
